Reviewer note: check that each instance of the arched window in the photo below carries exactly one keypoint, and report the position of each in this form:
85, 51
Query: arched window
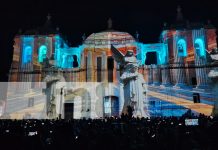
99, 69
75, 62
27, 54
182, 48
199, 47
110, 67
42, 53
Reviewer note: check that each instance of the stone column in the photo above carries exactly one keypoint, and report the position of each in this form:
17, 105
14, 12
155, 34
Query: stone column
156, 75
180, 74
82, 61
121, 99
115, 80
200, 61
25, 78
165, 75
92, 108
89, 67
150, 74
201, 73
104, 67
82, 65
20, 80
117, 70
146, 74
179, 67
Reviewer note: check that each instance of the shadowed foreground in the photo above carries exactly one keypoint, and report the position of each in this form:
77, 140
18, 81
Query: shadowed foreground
109, 133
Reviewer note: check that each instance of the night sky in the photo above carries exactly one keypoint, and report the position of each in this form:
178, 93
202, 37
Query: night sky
74, 18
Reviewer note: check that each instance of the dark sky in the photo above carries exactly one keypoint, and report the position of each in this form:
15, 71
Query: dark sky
87, 16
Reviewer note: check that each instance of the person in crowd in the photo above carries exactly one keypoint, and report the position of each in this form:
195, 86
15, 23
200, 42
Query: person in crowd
111, 133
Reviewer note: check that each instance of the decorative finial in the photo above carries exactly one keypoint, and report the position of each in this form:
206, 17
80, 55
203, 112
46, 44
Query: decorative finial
179, 14
165, 24
137, 35
84, 37
57, 29
48, 17
179, 9
109, 23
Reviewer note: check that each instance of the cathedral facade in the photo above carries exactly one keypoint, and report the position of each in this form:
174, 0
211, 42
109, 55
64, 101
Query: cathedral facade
178, 60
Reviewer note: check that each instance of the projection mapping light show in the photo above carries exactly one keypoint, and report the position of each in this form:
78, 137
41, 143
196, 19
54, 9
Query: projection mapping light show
111, 71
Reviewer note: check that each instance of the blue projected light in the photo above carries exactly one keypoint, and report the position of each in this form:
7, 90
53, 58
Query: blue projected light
27, 50
66, 57
67, 61
71, 57
27, 54
162, 54
58, 50
182, 48
42, 53
159, 48
200, 48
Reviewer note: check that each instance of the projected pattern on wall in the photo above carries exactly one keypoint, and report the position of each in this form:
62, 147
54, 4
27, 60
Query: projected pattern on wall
170, 86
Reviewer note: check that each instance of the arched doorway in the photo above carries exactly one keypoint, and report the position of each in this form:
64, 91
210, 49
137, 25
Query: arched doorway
151, 58
82, 102
75, 61
156, 53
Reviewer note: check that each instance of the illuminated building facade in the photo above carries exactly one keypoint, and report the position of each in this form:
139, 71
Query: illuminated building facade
185, 48
180, 47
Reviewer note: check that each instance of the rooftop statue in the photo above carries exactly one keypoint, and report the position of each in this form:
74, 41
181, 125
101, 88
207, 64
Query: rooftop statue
133, 83
109, 23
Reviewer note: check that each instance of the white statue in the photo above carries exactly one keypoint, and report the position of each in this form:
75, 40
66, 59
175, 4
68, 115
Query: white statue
133, 81
51, 79
213, 75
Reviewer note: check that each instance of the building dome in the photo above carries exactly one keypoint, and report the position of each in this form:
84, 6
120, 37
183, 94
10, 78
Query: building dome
110, 37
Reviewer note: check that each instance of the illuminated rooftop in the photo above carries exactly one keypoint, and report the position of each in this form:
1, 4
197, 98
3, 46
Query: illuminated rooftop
110, 37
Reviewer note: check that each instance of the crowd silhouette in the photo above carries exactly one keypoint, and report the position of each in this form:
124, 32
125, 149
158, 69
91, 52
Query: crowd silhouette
113, 133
